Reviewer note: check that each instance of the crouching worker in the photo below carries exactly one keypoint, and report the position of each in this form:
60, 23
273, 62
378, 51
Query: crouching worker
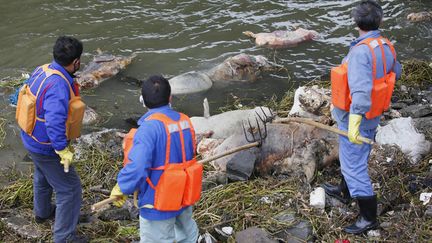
162, 167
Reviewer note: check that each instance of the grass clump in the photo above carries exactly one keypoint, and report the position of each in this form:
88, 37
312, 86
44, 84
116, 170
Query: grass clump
416, 73
3, 123
244, 204
12, 83
19, 193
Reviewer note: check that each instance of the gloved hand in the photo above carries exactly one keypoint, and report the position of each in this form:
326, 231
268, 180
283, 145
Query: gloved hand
353, 128
121, 198
66, 157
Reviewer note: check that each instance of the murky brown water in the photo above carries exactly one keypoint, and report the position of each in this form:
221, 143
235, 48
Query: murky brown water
173, 37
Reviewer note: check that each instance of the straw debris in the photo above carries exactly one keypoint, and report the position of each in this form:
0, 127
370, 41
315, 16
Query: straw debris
259, 201
3, 123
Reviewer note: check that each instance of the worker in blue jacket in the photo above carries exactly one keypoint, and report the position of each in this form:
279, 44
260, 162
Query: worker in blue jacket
48, 145
149, 151
353, 155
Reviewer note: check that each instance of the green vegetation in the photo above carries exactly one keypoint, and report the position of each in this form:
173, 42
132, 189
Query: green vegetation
2, 131
13, 83
416, 73
259, 201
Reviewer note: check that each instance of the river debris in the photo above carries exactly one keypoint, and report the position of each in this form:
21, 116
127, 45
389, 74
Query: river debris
276, 204
3, 123
238, 68
414, 144
420, 16
282, 38
12, 83
102, 67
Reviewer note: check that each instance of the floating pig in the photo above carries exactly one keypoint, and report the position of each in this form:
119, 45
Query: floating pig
102, 67
283, 38
242, 67
418, 17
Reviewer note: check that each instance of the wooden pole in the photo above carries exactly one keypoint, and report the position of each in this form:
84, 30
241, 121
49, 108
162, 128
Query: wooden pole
102, 203
234, 150
320, 125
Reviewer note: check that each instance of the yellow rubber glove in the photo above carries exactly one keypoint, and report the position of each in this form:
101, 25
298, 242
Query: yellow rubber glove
66, 157
353, 128
121, 198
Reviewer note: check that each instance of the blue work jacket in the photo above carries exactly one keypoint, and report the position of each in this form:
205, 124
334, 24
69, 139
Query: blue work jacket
360, 80
148, 151
52, 105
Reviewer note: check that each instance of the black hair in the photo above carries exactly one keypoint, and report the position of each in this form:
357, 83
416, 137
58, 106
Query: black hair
156, 91
368, 15
66, 49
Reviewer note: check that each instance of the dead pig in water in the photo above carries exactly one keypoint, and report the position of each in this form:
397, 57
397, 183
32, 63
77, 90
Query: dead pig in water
242, 67
102, 67
283, 38
420, 16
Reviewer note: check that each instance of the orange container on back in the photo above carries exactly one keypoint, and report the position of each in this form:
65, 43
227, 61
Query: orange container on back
180, 183
382, 88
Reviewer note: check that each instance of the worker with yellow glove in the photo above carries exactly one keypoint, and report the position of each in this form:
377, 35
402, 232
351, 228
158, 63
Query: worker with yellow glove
361, 90
116, 193
66, 156
45, 135
164, 140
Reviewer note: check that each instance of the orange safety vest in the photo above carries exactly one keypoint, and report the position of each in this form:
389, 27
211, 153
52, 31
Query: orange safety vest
180, 183
382, 88
26, 114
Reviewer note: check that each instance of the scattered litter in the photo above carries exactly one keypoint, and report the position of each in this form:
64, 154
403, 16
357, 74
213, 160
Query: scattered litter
425, 197
402, 132
374, 233
317, 198
227, 230
206, 238
265, 200
388, 159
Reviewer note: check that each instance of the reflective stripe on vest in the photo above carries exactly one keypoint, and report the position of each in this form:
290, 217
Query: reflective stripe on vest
170, 127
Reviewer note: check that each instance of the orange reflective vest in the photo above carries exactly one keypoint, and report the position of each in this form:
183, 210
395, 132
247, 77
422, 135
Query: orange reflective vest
26, 111
382, 88
180, 183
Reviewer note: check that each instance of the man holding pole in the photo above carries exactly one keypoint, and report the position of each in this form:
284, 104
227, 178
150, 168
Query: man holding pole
162, 167
361, 90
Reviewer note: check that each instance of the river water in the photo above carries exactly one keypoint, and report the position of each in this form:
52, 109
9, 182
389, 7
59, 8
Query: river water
173, 37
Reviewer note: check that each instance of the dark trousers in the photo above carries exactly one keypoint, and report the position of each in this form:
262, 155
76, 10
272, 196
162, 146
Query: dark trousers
48, 177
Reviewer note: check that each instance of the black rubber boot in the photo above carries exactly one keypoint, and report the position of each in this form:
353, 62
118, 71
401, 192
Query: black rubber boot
367, 219
41, 220
340, 191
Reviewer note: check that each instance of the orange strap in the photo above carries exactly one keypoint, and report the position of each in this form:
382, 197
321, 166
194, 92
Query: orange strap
150, 183
390, 45
192, 131
367, 42
41, 67
379, 41
383, 57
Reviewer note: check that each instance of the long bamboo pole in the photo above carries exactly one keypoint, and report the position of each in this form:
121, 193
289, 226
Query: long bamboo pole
320, 125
